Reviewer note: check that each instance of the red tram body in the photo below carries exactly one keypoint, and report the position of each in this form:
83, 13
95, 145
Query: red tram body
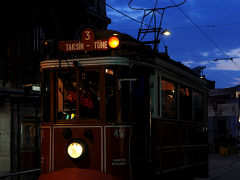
128, 111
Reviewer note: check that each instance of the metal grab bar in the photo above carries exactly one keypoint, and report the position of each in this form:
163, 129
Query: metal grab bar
20, 173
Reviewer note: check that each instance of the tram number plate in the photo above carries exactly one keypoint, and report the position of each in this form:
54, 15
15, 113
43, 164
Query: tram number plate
119, 133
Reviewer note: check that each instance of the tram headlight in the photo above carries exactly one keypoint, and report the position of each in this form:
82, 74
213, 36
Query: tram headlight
113, 42
77, 149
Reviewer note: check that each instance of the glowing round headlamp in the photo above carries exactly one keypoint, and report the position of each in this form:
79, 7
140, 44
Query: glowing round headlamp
113, 42
75, 150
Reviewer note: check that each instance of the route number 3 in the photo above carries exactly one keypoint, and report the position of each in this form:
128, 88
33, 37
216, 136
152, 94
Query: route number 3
87, 35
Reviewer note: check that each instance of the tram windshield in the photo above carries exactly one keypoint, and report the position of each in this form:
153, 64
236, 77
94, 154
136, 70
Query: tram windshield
101, 94
67, 92
78, 96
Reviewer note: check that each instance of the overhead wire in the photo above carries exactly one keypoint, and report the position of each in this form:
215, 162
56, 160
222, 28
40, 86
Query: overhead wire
202, 26
125, 14
129, 4
150, 11
201, 31
194, 24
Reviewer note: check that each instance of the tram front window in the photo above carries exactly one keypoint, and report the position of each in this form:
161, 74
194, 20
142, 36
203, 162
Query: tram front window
78, 98
89, 95
67, 95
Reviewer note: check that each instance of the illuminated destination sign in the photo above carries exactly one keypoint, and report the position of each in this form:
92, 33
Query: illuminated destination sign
87, 43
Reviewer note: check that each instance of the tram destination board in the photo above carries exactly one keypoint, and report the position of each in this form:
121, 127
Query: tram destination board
87, 43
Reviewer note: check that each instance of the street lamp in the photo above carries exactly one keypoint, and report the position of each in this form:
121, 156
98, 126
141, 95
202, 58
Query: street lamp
166, 32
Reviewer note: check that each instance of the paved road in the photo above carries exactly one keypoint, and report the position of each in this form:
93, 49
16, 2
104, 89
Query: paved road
223, 167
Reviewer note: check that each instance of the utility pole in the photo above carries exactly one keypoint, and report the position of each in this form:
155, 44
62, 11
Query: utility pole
154, 25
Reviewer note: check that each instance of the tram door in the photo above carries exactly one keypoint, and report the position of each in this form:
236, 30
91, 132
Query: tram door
140, 118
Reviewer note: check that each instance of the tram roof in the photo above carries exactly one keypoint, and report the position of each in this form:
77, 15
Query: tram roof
131, 51
143, 49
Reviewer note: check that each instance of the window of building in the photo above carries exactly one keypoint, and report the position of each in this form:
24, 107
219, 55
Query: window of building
169, 99
38, 37
185, 103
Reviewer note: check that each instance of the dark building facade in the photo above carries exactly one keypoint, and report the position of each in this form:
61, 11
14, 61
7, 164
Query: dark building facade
223, 117
25, 25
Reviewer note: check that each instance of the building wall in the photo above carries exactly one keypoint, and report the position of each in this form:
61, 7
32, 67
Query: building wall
223, 116
5, 131
24, 25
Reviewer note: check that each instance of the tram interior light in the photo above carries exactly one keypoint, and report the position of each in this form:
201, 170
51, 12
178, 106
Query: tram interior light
109, 71
113, 42
75, 150
69, 116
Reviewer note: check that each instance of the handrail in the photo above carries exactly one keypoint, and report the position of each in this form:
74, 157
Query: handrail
20, 173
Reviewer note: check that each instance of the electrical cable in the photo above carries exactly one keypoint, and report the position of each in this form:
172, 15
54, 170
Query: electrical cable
129, 4
201, 31
125, 14
202, 26
194, 24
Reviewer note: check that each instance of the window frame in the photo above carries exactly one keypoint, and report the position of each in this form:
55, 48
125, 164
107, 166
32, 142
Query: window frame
101, 87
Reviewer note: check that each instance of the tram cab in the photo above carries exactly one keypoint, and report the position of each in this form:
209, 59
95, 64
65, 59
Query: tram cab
107, 110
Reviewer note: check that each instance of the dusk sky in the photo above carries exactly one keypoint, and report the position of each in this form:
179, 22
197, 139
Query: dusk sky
202, 31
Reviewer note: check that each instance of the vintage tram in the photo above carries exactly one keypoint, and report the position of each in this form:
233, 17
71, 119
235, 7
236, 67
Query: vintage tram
125, 111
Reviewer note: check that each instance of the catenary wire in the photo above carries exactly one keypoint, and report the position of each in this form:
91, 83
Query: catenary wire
194, 25
188, 27
201, 31
125, 14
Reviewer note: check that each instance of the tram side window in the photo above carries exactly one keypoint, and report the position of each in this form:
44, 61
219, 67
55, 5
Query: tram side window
110, 76
89, 95
169, 99
67, 95
198, 111
185, 103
